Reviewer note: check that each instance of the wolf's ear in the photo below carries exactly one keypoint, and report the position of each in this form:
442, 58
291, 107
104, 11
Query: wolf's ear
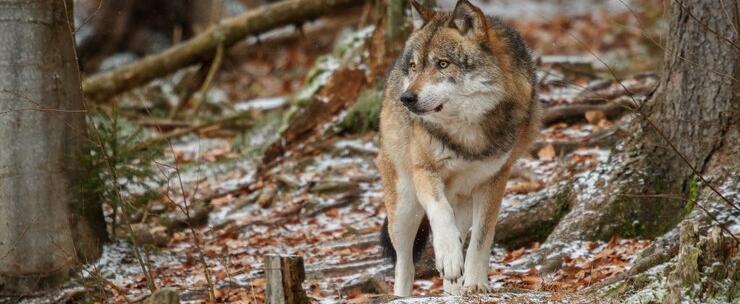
420, 14
468, 19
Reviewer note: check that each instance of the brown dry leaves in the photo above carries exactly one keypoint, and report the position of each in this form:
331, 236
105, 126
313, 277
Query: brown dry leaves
601, 262
546, 153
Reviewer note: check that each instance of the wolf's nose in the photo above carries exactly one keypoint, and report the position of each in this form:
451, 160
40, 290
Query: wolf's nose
409, 98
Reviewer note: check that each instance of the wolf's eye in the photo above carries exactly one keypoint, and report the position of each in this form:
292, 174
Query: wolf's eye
443, 64
412, 66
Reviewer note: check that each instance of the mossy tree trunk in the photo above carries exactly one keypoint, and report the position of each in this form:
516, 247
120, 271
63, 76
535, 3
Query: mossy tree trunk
649, 185
48, 226
396, 20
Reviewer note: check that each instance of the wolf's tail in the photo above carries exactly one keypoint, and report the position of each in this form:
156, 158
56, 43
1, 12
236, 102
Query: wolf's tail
420, 241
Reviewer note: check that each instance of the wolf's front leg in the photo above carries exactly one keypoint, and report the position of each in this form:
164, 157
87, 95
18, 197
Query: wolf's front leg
403, 223
486, 205
446, 239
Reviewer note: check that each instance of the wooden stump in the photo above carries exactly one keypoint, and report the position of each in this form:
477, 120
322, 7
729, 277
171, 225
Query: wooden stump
164, 296
284, 276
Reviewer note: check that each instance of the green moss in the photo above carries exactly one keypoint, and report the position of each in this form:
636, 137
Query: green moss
626, 211
316, 78
253, 141
364, 114
693, 195
348, 51
645, 205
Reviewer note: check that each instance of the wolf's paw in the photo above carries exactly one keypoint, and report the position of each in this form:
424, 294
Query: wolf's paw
448, 255
453, 287
476, 287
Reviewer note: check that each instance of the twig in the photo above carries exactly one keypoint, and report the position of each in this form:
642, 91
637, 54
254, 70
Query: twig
185, 209
163, 123
577, 111
180, 132
277, 219
341, 202
88, 18
603, 137
114, 175
640, 84
201, 96
706, 26
151, 284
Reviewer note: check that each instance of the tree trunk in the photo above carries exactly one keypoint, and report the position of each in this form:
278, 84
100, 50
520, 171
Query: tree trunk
646, 187
47, 226
137, 26
396, 21
204, 13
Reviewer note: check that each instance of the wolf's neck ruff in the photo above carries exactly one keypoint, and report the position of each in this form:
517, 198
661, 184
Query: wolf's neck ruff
498, 131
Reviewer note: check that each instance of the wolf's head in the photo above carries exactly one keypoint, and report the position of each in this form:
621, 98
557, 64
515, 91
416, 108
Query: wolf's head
453, 64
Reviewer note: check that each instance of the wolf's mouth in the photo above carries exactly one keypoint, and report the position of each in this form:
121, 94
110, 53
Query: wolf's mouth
421, 112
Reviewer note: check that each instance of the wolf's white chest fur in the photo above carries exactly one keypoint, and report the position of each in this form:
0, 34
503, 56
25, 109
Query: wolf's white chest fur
462, 175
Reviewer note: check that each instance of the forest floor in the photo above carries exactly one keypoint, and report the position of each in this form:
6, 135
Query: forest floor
328, 209
323, 200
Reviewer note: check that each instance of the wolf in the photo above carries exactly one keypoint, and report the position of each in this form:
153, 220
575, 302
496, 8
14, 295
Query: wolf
459, 108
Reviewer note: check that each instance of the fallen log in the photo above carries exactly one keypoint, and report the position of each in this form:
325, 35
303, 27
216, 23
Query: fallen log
226, 33
602, 138
340, 91
164, 296
372, 284
577, 111
638, 85
190, 129
534, 218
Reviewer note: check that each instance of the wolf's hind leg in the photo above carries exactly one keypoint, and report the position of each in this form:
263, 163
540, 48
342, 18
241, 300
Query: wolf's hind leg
403, 224
486, 205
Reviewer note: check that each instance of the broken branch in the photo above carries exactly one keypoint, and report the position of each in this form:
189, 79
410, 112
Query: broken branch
180, 132
577, 111
602, 138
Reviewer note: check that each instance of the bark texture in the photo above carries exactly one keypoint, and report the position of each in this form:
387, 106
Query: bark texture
285, 276
47, 226
647, 188
534, 217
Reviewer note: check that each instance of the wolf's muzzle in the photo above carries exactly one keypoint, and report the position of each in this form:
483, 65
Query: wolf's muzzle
410, 101
409, 98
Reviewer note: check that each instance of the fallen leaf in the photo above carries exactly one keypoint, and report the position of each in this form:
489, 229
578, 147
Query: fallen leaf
614, 241
363, 298
523, 187
546, 153
594, 117
513, 255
